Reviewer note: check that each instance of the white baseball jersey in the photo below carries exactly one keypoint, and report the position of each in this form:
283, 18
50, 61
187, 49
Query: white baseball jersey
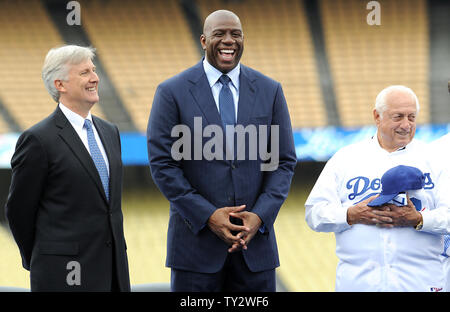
373, 258
441, 148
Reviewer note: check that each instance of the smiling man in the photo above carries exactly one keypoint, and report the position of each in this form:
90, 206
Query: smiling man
64, 203
384, 247
221, 235
223, 40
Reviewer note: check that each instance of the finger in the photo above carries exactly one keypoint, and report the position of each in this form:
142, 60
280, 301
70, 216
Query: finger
239, 215
238, 228
384, 225
391, 206
384, 216
368, 200
235, 247
237, 208
233, 239
409, 201
381, 213
247, 240
383, 208
385, 220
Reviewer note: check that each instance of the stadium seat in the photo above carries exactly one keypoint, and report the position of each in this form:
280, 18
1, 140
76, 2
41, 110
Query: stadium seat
141, 44
26, 39
365, 59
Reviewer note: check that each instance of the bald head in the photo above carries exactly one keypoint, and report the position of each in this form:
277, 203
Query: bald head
219, 15
395, 113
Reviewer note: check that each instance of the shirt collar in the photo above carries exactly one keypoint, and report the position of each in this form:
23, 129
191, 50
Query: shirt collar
75, 119
213, 74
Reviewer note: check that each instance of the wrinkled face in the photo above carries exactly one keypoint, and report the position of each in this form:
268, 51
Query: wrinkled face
81, 88
397, 124
223, 41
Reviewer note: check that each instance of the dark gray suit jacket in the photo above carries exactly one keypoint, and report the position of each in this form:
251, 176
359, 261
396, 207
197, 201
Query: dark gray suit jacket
58, 212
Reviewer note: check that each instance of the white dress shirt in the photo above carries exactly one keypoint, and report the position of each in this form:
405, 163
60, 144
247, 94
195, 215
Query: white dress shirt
213, 75
77, 123
373, 258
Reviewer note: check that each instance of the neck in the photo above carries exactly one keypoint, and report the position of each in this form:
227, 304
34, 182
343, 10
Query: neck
77, 108
386, 146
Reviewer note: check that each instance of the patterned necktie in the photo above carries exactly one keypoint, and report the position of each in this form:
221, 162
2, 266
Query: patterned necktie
226, 103
97, 157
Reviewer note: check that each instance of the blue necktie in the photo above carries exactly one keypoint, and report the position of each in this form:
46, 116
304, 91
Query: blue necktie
226, 103
97, 157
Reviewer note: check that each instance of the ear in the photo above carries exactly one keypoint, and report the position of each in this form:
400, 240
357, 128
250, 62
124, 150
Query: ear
376, 117
203, 41
59, 85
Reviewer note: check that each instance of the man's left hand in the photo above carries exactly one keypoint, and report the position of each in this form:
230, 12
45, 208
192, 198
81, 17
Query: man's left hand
250, 220
398, 216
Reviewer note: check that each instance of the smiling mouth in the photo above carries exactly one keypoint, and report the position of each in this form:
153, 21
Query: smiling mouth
227, 54
93, 89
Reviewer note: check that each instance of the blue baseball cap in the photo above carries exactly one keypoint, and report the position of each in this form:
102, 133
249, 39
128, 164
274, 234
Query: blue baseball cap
397, 180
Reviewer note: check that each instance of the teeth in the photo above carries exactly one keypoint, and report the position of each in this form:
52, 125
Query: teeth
91, 89
227, 51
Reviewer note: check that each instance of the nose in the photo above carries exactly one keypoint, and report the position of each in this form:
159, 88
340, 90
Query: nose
228, 38
94, 77
406, 124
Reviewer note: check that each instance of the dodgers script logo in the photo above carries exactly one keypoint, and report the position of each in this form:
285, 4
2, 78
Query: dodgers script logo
360, 186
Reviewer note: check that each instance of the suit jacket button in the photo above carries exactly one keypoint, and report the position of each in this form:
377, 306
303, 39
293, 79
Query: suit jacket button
108, 243
233, 166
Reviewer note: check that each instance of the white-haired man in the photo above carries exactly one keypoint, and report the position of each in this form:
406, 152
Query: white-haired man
64, 203
383, 248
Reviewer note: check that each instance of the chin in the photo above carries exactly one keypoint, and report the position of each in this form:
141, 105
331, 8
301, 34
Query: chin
93, 100
225, 68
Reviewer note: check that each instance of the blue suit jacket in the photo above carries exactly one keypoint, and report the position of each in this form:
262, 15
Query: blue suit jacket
195, 188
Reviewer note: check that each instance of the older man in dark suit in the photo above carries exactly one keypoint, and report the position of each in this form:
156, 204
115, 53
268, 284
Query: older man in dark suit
224, 197
64, 203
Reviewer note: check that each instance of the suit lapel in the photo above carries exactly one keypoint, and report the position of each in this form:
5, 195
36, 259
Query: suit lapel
201, 91
71, 138
247, 97
247, 100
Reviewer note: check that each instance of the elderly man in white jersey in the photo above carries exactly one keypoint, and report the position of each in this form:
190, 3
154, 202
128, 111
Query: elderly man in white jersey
383, 248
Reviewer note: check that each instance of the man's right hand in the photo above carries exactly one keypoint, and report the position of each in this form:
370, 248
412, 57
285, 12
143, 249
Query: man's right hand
219, 223
363, 214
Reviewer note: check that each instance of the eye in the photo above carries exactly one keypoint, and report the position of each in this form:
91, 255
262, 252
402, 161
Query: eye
397, 117
412, 117
236, 35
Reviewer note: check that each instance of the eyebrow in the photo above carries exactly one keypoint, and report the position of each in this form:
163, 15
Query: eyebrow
225, 29
88, 68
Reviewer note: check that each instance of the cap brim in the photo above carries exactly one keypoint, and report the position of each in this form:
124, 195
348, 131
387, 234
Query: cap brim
381, 200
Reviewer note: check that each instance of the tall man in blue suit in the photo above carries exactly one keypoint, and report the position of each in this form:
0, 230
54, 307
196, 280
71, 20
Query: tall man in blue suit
222, 209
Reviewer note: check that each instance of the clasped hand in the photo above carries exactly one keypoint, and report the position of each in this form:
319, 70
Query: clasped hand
386, 216
219, 222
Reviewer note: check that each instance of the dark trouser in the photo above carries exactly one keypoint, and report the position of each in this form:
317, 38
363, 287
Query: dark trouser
114, 281
234, 276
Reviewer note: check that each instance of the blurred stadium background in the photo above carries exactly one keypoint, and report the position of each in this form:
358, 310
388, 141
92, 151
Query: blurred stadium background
330, 61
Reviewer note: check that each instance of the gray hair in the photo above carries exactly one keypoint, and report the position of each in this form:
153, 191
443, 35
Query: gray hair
380, 102
55, 64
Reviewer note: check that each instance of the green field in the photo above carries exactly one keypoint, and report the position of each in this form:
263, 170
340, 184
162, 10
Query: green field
308, 260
